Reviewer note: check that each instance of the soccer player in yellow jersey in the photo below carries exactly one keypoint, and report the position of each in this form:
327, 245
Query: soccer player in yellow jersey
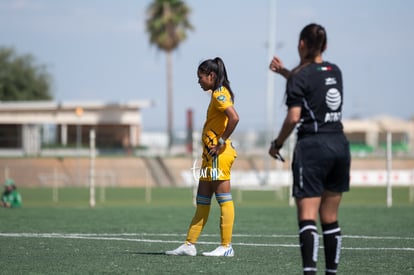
218, 156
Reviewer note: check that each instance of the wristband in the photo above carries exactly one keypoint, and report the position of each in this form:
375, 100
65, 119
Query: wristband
221, 141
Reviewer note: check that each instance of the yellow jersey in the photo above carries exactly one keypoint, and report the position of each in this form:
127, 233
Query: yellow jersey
216, 120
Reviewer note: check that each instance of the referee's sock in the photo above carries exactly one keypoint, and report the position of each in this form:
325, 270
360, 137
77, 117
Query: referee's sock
309, 244
332, 241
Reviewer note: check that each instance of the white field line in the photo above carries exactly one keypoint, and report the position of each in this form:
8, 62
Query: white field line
217, 235
121, 237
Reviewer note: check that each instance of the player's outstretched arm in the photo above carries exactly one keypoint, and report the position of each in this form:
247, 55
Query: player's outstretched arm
276, 65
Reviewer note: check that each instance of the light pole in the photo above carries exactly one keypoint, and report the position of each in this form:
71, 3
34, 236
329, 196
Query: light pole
92, 137
270, 87
79, 113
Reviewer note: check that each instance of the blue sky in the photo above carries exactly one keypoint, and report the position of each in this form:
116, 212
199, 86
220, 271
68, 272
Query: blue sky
99, 50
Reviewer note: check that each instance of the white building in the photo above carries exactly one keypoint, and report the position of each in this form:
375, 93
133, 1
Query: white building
22, 124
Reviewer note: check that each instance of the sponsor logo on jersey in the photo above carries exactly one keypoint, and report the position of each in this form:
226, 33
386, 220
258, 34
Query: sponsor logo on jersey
330, 81
333, 100
333, 117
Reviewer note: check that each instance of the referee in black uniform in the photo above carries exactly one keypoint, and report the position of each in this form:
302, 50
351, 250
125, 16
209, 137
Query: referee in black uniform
321, 160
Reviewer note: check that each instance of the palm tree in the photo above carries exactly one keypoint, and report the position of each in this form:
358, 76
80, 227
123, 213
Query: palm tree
167, 24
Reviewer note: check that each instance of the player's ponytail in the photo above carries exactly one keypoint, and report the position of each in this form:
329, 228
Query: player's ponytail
222, 79
217, 66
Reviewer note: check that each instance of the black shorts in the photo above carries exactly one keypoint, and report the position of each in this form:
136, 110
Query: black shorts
321, 162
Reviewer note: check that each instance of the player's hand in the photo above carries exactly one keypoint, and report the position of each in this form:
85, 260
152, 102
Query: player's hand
274, 153
276, 65
215, 149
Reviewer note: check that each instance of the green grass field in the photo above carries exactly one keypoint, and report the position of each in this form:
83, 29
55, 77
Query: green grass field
129, 229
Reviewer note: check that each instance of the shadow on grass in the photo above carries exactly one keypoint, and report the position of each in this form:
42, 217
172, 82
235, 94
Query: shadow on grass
146, 253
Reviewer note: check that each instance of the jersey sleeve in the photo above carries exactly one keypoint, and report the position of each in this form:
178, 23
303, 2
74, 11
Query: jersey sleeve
222, 101
295, 88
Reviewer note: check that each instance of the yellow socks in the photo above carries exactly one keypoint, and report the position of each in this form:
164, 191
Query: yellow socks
227, 217
200, 218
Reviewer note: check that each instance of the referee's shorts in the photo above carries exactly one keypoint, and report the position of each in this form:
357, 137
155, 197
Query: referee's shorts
321, 162
218, 167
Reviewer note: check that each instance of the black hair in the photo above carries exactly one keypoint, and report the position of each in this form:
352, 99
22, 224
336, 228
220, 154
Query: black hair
315, 38
216, 66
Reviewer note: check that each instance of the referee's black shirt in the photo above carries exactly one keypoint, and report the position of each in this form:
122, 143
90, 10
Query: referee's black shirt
317, 88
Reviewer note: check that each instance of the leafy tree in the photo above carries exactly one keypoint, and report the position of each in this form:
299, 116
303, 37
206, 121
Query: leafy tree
167, 24
22, 79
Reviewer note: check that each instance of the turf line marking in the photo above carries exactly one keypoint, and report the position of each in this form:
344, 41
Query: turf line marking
377, 237
211, 235
106, 237
217, 235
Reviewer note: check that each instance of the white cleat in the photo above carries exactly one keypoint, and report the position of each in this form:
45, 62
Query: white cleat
186, 249
221, 251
